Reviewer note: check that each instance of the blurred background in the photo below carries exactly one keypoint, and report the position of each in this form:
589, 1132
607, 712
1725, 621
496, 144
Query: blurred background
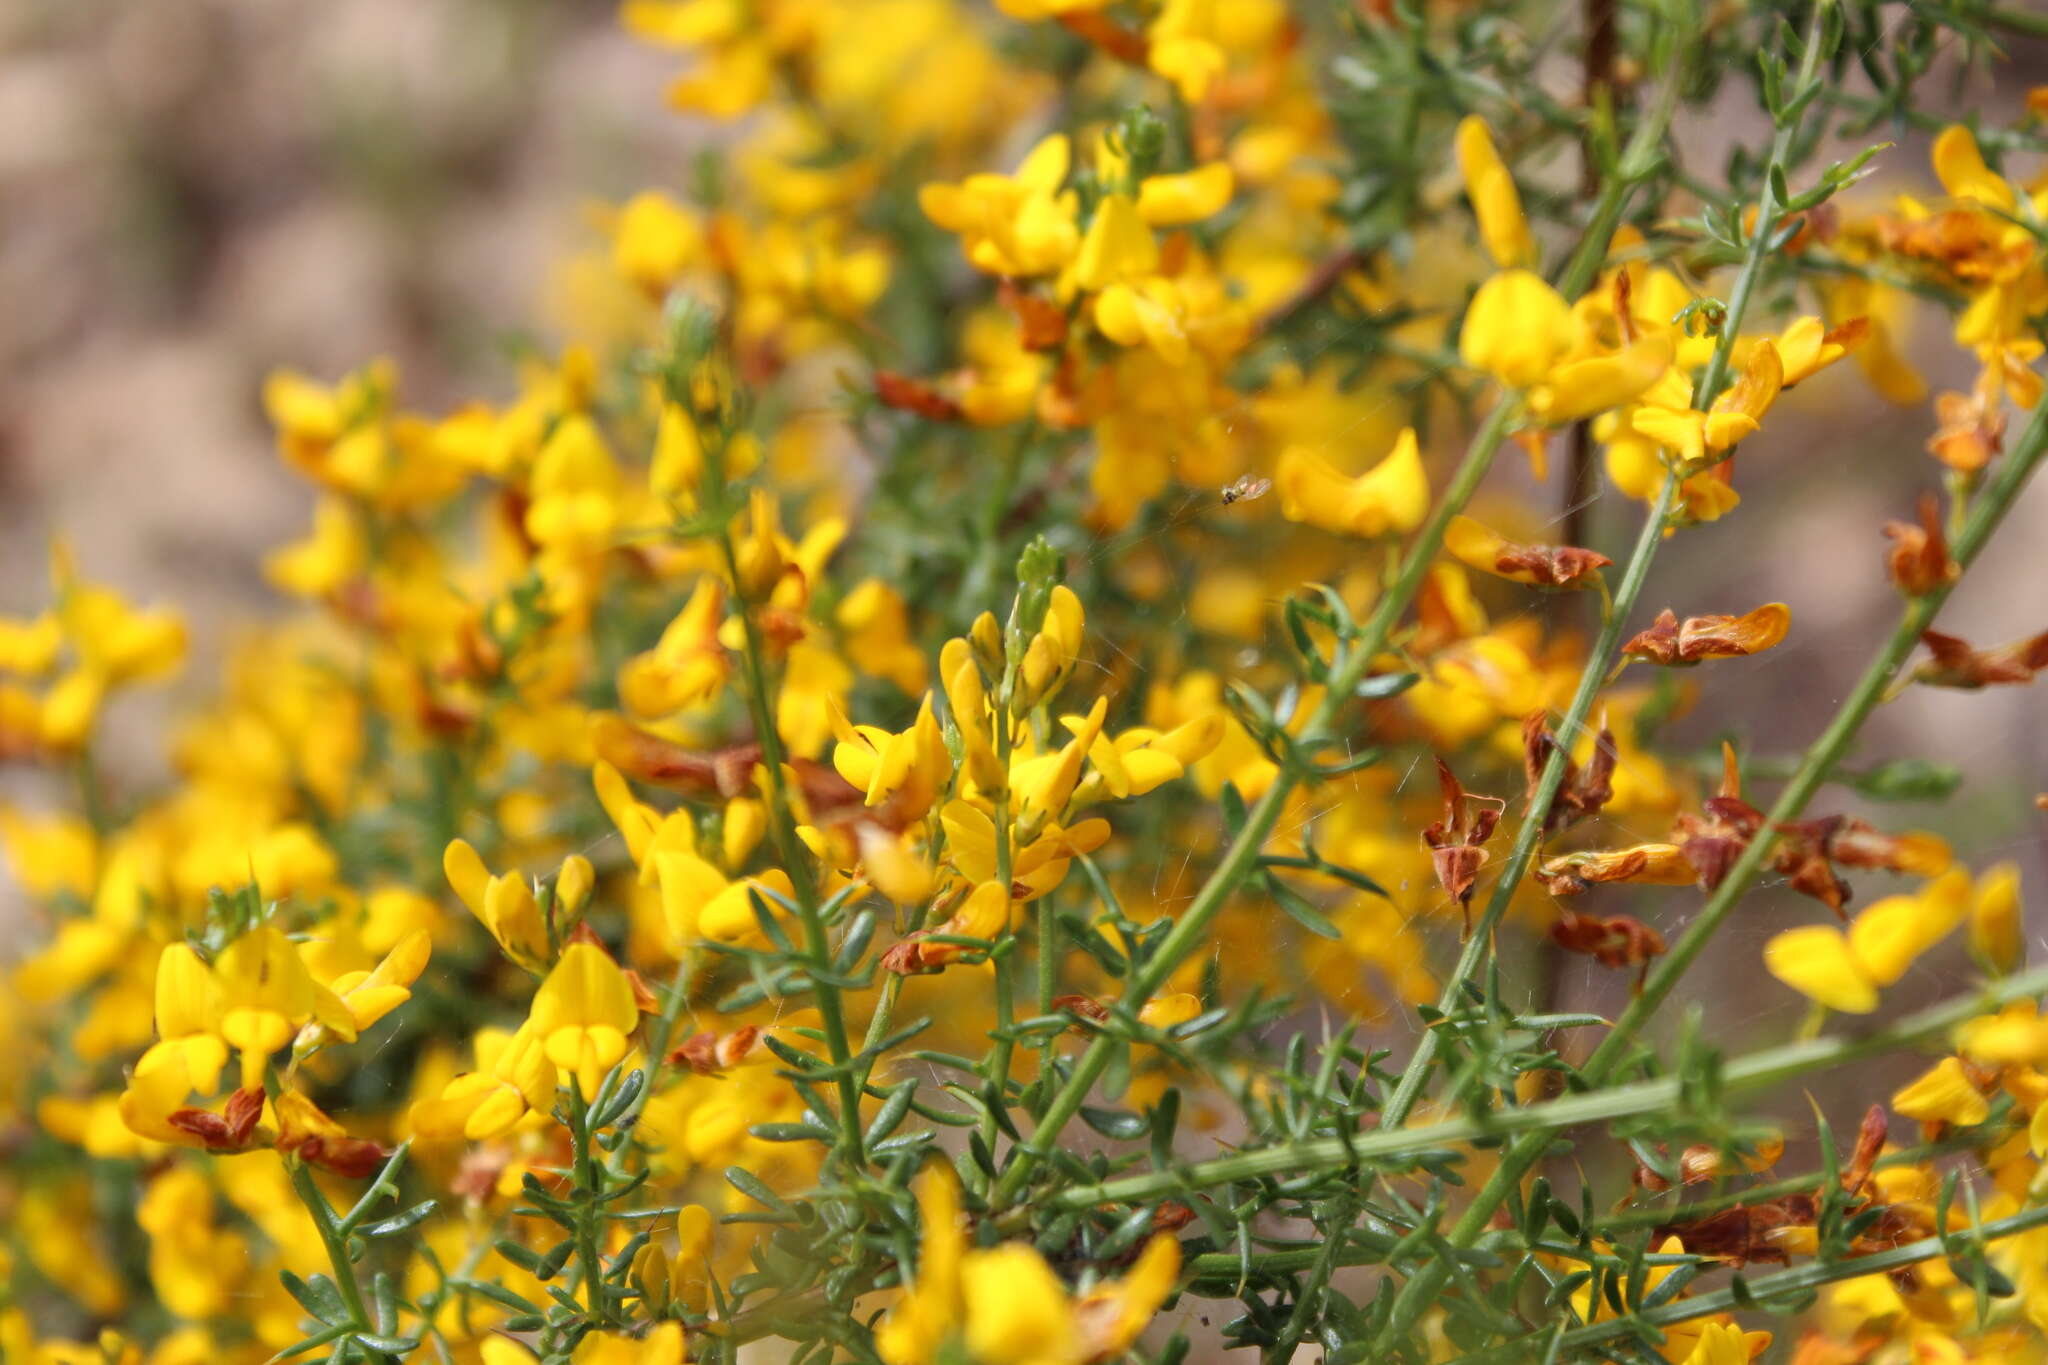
198, 191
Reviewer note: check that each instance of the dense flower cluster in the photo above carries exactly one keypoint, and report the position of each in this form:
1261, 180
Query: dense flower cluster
722, 812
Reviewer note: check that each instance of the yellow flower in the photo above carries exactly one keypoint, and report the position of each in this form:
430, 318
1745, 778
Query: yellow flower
1960, 166
967, 699
1050, 657
1018, 1312
654, 240
1186, 197
920, 1322
514, 1077
1392, 498
28, 649
370, 995
1520, 330
1185, 45
1846, 971
1997, 930
1943, 1094
1110, 1316
662, 1345
1495, 203
1012, 225
505, 903
2015, 1036
907, 771
1142, 759
1738, 412
1725, 1343
266, 993
1118, 247
875, 624
583, 1013
1516, 328
187, 1021
1046, 783
333, 556
699, 902
688, 666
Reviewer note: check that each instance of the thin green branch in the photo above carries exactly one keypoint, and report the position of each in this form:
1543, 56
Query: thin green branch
1535, 1124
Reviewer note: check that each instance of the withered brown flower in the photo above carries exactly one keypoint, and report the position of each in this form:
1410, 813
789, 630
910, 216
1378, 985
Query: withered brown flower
1673, 643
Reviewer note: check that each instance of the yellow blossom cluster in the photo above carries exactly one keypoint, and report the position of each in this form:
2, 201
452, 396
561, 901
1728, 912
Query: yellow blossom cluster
848, 711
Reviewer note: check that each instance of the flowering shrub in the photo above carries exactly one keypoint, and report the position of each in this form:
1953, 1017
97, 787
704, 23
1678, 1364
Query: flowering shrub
836, 814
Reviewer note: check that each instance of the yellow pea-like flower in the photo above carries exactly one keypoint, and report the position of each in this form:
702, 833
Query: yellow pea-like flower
1516, 329
1943, 1094
1495, 203
505, 903
1846, 971
1186, 197
1392, 498
514, 1078
583, 1013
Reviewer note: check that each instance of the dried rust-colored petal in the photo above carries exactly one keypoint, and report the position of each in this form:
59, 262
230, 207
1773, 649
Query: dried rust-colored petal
1972, 430
720, 775
1042, 322
1100, 31
905, 394
1454, 841
1918, 559
1582, 793
1086, 1009
710, 1054
1957, 664
1673, 643
1870, 1136
1612, 940
1551, 566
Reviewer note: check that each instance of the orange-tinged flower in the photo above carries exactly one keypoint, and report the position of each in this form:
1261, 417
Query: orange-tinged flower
1698, 638
1956, 664
1545, 566
1652, 864
1918, 559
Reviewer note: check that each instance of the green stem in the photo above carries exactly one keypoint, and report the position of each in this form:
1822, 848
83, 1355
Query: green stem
589, 1213
335, 1240
796, 862
1535, 1124
1000, 1055
1792, 1284
1715, 377
1409, 1089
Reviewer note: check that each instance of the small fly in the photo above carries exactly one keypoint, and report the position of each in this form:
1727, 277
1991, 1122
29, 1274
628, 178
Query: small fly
1246, 489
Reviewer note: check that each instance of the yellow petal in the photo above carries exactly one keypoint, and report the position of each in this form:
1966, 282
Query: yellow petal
1816, 962
1516, 328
